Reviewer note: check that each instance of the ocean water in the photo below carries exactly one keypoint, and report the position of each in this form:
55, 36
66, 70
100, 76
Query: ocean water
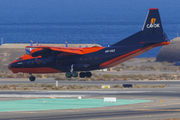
104, 22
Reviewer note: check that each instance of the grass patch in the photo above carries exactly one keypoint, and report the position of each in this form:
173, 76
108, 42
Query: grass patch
69, 87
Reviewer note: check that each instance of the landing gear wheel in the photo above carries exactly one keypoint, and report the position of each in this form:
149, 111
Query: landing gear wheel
74, 74
88, 74
82, 75
32, 78
68, 75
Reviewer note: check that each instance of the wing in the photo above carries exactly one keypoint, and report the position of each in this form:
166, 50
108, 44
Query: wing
50, 50
60, 49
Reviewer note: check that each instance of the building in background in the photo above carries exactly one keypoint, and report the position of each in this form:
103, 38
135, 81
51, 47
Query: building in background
170, 53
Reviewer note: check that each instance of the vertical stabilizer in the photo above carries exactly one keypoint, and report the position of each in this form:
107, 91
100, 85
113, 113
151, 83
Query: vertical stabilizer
152, 24
152, 31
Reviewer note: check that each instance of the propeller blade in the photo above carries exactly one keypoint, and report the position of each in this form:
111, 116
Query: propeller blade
27, 51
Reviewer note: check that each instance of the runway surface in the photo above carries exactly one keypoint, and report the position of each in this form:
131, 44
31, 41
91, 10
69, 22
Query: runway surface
170, 106
10, 81
164, 102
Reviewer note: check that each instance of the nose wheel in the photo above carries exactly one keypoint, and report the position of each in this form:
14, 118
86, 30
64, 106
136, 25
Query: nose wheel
32, 78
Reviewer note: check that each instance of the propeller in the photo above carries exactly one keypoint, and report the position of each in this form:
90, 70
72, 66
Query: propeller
27, 51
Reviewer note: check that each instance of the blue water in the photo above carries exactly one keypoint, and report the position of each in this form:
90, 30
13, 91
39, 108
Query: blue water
104, 22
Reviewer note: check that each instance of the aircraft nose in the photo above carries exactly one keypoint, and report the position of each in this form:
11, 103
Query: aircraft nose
9, 66
12, 67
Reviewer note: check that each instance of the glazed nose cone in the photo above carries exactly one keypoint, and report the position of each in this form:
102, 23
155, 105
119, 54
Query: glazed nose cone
12, 67
9, 66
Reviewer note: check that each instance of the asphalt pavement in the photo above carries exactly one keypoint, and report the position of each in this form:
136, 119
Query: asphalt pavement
10, 81
164, 102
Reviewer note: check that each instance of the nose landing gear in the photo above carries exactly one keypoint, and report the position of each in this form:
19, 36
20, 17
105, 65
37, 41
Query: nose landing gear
32, 78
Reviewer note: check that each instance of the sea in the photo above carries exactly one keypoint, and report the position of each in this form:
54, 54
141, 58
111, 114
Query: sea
103, 22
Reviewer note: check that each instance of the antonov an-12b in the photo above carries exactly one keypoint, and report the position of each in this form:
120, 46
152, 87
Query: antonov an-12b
47, 59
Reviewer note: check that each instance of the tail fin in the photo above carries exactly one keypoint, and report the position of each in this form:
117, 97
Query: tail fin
152, 24
152, 31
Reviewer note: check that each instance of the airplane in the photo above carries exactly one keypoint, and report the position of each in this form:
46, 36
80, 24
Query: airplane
48, 59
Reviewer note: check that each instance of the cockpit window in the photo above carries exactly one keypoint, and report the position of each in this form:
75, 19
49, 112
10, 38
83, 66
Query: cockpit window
20, 59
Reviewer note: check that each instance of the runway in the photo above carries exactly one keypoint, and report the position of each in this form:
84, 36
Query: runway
10, 81
170, 107
151, 92
164, 102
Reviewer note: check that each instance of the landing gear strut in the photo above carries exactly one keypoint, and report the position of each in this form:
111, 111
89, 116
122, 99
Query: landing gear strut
32, 78
73, 73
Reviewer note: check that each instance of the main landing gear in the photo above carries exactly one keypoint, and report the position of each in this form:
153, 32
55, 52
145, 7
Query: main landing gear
81, 74
85, 74
32, 78
73, 73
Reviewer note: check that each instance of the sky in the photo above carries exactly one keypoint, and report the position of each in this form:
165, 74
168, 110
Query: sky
83, 9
